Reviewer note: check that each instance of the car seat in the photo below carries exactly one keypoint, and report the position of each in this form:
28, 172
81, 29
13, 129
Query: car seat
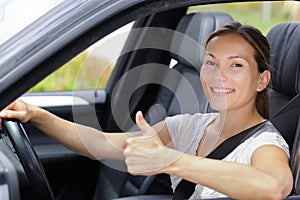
284, 40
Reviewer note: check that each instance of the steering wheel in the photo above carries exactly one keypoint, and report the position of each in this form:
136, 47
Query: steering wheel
31, 163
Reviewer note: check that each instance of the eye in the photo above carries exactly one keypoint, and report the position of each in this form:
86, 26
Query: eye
210, 63
237, 65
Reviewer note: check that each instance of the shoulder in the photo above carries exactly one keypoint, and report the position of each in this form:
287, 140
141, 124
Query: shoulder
268, 135
268, 127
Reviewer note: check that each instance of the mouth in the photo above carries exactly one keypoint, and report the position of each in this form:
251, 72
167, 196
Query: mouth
221, 91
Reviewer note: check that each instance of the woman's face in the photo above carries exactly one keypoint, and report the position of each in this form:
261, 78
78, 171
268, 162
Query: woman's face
229, 74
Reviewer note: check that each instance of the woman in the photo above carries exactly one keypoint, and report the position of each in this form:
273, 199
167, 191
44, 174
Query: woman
235, 75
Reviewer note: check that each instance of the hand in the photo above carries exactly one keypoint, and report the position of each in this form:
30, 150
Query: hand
146, 154
16, 110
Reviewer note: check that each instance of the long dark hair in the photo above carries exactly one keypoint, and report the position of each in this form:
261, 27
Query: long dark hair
262, 56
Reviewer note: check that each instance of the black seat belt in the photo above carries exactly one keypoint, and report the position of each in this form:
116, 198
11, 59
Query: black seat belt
186, 188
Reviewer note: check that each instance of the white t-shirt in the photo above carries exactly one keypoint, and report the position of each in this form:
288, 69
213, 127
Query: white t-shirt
187, 130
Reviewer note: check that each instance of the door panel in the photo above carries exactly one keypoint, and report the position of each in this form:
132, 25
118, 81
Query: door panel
70, 174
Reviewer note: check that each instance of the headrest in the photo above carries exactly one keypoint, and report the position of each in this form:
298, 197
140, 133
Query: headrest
284, 40
198, 26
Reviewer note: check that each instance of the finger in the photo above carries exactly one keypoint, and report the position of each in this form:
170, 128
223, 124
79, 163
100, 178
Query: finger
3, 114
142, 123
11, 106
10, 114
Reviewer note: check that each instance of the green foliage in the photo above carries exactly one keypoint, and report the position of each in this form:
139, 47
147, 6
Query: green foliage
82, 72
63, 78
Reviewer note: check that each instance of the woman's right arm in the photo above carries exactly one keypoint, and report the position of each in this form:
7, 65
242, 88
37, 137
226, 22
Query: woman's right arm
84, 140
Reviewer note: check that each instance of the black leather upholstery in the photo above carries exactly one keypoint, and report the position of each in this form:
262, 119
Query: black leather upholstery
285, 47
284, 42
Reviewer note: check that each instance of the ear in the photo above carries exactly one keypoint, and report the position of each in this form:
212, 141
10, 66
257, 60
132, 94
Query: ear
263, 80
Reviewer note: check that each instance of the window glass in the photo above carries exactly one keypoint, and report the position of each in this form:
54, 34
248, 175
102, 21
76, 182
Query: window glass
262, 15
90, 69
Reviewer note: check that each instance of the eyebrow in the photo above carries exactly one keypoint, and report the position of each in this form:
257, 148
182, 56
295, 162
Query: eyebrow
209, 54
229, 57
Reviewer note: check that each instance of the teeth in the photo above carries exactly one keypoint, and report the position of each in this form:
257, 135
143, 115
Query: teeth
222, 90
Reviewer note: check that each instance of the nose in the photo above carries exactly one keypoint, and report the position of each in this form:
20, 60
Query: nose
220, 74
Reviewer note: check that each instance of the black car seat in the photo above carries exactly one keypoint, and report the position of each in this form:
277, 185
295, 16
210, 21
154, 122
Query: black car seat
284, 40
197, 27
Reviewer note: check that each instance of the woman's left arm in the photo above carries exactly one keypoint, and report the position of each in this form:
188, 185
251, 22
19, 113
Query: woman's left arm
269, 177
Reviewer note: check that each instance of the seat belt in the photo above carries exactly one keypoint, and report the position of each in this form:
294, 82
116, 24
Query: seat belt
186, 188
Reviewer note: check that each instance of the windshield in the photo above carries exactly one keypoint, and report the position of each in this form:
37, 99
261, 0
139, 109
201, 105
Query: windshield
17, 14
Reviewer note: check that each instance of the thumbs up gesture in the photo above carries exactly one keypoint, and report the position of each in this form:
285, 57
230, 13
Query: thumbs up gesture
145, 154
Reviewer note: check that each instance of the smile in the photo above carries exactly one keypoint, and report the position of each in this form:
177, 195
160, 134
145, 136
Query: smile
221, 91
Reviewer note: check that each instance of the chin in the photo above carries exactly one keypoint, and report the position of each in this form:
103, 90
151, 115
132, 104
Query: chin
218, 105
219, 108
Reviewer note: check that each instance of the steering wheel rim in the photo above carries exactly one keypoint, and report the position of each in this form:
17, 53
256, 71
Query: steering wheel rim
29, 159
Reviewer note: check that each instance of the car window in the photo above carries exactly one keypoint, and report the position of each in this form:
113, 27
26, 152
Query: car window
263, 15
90, 69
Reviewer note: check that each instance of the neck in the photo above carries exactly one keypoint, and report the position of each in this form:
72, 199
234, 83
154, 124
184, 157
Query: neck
231, 122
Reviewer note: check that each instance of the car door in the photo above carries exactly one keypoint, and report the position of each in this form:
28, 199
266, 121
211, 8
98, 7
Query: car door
71, 176
76, 92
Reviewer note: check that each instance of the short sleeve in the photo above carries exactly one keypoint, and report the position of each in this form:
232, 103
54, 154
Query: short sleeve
268, 138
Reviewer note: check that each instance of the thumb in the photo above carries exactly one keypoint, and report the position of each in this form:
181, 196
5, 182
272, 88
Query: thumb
142, 123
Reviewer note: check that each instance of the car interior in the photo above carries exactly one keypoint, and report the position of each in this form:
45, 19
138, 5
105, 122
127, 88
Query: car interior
72, 176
